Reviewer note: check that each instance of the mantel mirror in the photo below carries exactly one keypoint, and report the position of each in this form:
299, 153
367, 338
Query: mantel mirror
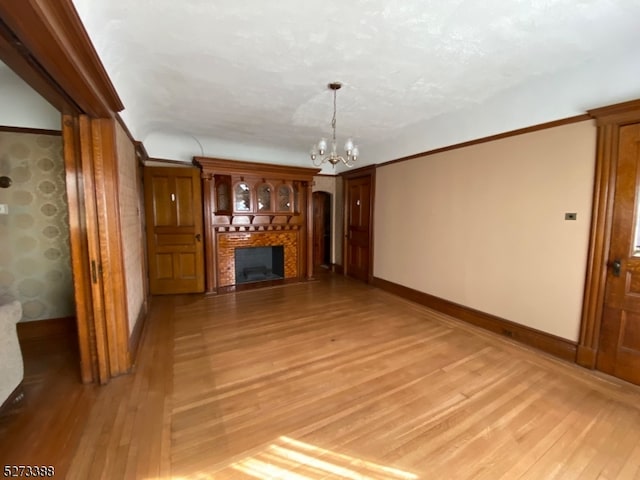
242, 197
264, 197
284, 202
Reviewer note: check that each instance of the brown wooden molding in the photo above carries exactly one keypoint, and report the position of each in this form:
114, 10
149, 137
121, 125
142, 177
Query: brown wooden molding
126, 130
168, 163
619, 113
135, 339
111, 257
18, 59
43, 329
284, 172
546, 342
14, 399
337, 268
53, 35
491, 138
78, 190
609, 120
34, 131
141, 152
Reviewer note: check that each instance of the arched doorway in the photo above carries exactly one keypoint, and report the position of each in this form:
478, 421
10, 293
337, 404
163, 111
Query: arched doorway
321, 229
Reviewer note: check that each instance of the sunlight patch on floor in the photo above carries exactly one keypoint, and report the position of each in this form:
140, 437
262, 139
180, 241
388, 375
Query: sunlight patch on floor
289, 459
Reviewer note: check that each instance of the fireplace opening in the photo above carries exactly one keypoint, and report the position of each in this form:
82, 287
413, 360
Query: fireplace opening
257, 264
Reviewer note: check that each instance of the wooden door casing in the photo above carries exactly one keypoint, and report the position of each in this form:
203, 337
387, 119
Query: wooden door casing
359, 192
619, 348
173, 205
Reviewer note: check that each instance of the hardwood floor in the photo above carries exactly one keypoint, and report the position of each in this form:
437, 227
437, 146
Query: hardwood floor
327, 379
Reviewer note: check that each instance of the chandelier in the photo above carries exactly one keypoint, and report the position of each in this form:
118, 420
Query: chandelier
318, 151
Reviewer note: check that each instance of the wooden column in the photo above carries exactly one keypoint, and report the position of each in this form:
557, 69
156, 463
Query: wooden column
209, 233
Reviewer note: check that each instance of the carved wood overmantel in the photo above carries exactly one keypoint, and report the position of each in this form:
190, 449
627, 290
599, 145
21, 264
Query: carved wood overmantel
255, 204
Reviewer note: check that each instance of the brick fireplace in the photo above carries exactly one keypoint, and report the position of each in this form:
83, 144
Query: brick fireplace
229, 241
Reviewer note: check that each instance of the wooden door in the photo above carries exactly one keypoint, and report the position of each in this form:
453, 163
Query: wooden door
321, 229
173, 204
358, 225
619, 349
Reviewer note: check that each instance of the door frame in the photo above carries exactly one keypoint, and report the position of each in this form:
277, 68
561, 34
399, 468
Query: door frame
367, 171
45, 43
609, 120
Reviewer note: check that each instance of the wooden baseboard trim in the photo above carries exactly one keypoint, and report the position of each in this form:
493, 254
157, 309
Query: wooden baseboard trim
557, 346
42, 329
135, 339
13, 400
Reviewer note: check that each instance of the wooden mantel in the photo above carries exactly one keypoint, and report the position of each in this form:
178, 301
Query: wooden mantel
255, 204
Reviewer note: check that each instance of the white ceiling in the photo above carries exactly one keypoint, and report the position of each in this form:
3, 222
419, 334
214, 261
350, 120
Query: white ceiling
247, 78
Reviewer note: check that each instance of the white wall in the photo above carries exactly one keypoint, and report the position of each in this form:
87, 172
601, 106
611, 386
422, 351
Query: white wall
483, 226
22, 106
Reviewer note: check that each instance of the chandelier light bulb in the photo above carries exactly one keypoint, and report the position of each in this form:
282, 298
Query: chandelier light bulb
348, 146
322, 146
318, 151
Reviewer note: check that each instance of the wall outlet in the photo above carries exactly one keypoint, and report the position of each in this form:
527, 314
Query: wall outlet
570, 216
4, 209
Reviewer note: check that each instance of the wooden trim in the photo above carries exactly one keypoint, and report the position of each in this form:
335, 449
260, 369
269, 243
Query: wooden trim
618, 114
13, 400
337, 268
609, 120
307, 243
34, 131
92, 232
557, 346
111, 250
135, 339
18, 59
141, 152
78, 241
210, 260
42, 329
127, 131
284, 172
491, 138
169, 163
53, 35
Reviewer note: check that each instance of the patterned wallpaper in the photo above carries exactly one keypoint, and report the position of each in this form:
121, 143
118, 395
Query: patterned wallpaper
35, 262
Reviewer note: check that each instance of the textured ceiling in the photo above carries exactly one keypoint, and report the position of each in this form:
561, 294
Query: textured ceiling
247, 78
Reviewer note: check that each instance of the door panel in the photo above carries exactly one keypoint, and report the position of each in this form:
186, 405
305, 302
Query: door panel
162, 211
174, 231
185, 208
619, 350
358, 226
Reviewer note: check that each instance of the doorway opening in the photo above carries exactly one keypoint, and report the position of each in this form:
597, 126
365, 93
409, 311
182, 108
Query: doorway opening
322, 229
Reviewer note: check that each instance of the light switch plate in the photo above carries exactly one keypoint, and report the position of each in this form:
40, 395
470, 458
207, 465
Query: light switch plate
4, 209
